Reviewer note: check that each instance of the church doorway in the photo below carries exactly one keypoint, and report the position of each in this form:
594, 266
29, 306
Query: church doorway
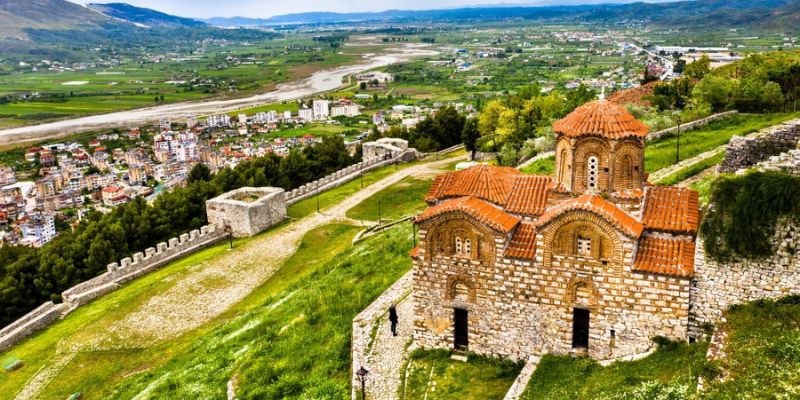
461, 322
580, 328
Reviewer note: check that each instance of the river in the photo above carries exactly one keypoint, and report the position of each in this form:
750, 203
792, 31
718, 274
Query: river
319, 82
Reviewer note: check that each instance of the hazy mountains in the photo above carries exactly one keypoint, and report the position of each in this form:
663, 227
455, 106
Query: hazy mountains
143, 16
767, 14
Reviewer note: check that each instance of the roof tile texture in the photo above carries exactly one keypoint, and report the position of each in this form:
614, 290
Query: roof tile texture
596, 204
487, 213
602, 118
665, 256
523, 243
671, 209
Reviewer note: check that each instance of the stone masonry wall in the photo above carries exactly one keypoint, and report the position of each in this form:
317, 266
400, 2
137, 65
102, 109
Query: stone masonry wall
690, 125
788, 162
118, 273
248, 210
518, 308
719, 285
745, 153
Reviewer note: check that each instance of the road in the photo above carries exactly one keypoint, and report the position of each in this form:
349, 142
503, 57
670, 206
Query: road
321, 81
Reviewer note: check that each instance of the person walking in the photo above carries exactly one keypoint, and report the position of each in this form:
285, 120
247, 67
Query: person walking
393, 319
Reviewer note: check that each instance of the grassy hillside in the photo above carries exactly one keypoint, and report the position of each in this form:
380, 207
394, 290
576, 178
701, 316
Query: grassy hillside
144, 16
18, 15
763, 362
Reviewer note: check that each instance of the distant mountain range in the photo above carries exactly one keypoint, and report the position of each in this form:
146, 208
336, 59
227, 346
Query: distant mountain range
768, 14
143, 16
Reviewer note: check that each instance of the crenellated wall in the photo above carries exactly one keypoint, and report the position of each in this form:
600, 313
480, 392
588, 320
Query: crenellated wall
127, 269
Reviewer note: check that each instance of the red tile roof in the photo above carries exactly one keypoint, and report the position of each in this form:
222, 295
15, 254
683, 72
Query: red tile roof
666, 256
518, 193
597, 205
529, 195
671, 209
603, 118
486, 182
523, 243
487, 213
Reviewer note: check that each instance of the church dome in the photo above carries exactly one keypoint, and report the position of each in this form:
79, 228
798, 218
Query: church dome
602, 118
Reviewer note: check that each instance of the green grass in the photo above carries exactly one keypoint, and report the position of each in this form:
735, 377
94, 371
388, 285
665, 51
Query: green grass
575, 378
433, 375
703, 187
402, 199
96, 373
763, 352
692, 170
545, 166
295, 344
661, 153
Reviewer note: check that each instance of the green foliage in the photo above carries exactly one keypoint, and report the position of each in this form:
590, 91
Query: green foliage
431, 134
402, 199
433, 374
545, 166
295, 343
699, 68
744, 213
669, 373
30, 278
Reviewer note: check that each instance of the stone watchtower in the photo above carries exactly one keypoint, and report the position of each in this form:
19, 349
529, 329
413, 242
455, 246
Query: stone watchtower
600, 148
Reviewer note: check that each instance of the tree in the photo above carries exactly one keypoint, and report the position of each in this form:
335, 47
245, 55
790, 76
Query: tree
199, 172
470, 136
698, 69
714, 91
362, 85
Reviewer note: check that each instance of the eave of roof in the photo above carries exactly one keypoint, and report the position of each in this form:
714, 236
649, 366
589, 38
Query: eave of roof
623, 221
481, 210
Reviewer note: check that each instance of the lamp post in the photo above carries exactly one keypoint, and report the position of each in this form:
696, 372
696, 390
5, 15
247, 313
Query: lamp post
678, 143
380, 215
317, 201
362, 377
229, 231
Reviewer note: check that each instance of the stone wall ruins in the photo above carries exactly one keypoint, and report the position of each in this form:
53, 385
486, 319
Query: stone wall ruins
719, 285
745, 153
248, 210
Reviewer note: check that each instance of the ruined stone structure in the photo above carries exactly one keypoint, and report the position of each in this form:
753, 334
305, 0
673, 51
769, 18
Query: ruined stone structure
248, 210
384, 148
592, 260
745, 153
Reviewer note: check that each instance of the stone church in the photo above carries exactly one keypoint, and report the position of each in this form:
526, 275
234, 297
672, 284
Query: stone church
593, 260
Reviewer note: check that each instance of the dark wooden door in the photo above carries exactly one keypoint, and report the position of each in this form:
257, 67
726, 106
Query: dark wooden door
580, 329
461, 322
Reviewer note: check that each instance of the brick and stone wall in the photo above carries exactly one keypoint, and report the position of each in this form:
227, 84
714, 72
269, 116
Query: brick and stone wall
788, 162
690, 125
519, 308
719, 285
745, 153
248, 210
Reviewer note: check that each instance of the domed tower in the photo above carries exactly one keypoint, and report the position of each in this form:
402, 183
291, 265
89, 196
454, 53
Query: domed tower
600, 148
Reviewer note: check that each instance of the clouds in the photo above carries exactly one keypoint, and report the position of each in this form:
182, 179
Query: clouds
268, 8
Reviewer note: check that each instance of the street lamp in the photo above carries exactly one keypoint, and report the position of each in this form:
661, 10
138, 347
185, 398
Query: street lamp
678, 142
229, 231
362, 377
380, 214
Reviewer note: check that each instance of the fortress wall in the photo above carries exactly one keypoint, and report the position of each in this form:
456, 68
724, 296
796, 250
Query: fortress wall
744, 153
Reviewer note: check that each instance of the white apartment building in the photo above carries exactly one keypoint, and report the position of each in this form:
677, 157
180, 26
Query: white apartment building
307, 113
346, 110
321, 109
38, 229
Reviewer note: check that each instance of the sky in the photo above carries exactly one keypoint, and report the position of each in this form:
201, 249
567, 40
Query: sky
268, 8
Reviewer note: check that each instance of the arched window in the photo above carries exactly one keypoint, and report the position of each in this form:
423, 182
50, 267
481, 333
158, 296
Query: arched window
592, 166
562, 169
584, 246
467, 247
459, 246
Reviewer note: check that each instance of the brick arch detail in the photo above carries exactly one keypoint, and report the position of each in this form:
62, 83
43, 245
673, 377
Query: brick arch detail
570, 297
440, 236
552, 229
584, 149
630, 176
455, 280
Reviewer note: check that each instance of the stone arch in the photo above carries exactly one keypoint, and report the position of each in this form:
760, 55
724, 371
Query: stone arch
628, 166
582, 239
441, 234
581, 292
460, 288
584, 150
559, 236
564, 162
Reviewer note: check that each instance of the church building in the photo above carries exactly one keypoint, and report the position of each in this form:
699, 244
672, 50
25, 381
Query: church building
593, 260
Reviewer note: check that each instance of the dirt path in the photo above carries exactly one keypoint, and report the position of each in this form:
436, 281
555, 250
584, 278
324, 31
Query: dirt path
210, 287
